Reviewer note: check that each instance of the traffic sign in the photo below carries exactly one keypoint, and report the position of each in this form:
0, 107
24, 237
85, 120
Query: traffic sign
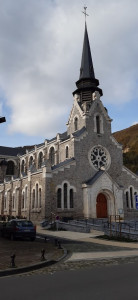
136, 198
136, 205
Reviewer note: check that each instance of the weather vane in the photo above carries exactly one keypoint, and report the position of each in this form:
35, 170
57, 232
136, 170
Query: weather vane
84, 12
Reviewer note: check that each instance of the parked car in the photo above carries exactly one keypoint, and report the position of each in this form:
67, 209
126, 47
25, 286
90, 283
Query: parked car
18, 228
47, 224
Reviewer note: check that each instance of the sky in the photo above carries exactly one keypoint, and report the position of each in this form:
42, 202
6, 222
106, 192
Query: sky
40, 55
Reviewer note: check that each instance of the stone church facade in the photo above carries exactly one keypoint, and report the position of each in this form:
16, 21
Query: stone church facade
79, 173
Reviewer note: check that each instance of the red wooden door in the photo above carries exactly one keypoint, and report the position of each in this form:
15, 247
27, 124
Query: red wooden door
101, 206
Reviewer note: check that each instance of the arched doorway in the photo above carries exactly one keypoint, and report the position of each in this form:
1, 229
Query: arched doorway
101, 206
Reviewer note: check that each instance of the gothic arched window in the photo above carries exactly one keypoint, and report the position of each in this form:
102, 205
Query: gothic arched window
36, 202
71, 198
97, 124
10, 168
39, 198
13, 201
67, 151
23, 200
52, 156
40, 159
23, 166
30, 161
33, 199
131, 197
65, 195
59, 198
127, 200
5, 201
76, 124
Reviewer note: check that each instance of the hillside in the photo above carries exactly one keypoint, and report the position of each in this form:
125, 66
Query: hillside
129, 139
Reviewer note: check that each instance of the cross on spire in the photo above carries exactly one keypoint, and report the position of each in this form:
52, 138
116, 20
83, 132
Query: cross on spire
84, 12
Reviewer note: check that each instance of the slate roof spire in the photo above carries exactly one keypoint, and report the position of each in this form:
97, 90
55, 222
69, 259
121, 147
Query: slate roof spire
87, 83
86, 70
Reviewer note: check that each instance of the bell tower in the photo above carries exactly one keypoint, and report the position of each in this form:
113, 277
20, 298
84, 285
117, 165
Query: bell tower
87, 83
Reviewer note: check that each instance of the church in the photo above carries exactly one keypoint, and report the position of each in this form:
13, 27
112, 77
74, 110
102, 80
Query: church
76, 174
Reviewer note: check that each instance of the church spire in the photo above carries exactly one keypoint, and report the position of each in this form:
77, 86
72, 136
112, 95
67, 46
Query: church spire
87, 83
86, 70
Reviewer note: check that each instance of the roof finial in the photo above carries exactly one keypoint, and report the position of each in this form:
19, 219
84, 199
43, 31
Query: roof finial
84, 12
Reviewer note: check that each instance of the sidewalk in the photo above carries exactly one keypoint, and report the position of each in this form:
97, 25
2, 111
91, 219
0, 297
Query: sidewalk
76, 236
130, 251
85, 237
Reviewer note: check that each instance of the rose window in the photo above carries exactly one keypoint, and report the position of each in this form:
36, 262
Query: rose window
99, 158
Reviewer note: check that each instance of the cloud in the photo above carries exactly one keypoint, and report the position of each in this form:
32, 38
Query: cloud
135, 123
40, 54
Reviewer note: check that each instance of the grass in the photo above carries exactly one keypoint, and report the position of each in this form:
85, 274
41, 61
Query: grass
116, 238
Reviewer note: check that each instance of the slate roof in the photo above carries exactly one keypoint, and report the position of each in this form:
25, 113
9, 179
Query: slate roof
9, 151
63, 163
64, 136
94, 178
53, 139
86, 70
79, 132
39, 145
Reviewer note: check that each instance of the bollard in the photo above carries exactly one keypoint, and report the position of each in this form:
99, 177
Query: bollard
59, 244
13, 261
56, 242
43, 254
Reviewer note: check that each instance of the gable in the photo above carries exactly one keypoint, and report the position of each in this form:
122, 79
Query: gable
76, 114
102, 178
97, 105
75, 110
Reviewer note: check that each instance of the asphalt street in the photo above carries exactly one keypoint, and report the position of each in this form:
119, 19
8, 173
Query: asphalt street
116, 282
114, 278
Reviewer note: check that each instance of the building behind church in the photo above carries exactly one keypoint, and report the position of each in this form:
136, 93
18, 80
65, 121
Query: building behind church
78, 173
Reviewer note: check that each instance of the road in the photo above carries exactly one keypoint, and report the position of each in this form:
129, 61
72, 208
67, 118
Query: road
116, 282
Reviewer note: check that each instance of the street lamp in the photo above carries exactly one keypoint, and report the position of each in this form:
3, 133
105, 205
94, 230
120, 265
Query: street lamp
2, 119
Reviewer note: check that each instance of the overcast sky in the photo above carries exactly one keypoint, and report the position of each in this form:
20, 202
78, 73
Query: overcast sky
40, 55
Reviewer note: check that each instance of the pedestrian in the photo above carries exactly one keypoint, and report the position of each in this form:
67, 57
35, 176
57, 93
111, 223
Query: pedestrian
57, 222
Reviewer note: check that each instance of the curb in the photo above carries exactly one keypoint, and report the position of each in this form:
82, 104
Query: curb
99, 259
33, 267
